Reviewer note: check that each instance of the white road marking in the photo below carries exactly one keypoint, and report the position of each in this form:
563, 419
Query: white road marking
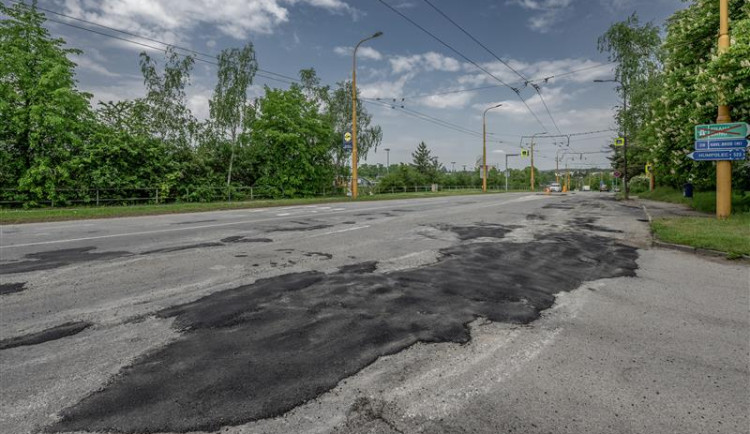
283, 214
209, 226
353, 228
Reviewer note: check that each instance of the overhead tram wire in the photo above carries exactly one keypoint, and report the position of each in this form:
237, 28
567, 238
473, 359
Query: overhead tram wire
492, 53
463, 131
463, 56
261, 72
427, 118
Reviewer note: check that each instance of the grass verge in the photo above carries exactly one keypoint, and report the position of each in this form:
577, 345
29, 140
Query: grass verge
731, 236
17, 216
704, 201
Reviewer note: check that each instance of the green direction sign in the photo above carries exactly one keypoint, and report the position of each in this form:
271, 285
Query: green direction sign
735, 130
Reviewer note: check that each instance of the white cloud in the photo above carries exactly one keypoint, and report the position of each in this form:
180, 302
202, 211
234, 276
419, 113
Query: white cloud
451, 101
164, 19
385, 88
362, 52
430, 61
89, 64
546, 12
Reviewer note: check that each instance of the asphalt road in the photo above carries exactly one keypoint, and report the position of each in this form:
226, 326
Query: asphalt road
498, 313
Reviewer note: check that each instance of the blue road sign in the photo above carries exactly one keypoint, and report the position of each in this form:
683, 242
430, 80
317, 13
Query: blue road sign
705, 145
720, 155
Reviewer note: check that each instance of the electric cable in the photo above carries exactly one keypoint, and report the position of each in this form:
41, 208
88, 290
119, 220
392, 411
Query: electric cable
506, 64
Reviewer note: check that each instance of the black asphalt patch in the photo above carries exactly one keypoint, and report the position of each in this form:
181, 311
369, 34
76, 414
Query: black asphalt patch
361, 268
480, 230
259, 350
194, 222
12, 288
243, 239
50, 334
58, 258
349, 223
303, 228
588, 223
535, 217
181, 248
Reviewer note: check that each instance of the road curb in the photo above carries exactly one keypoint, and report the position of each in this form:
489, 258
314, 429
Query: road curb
655, 242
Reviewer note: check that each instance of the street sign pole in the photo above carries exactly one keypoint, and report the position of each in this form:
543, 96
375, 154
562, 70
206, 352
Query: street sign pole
724, 168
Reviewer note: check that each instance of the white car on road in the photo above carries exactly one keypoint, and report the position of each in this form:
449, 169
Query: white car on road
555, 186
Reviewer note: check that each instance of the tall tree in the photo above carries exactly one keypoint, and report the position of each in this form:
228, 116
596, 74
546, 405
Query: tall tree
166, 98
229, 107
43, 117
692, 79
426, 164
291, 144
635, 50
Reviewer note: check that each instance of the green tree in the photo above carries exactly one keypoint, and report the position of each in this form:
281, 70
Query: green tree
44, 119
425, 164
229, 107
290, 144
635, 50
166, 99
692, 79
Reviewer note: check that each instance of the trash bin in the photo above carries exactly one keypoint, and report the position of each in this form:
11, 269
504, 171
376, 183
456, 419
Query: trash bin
687, 190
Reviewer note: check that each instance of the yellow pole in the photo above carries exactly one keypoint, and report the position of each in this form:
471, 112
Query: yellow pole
723, 168
484, 152
484, 146
532, 164
354, 124
354, 114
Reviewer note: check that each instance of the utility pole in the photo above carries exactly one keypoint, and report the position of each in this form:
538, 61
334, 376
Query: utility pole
484, 146
355, 180
387, 160
532, 154
506, 168
723, 168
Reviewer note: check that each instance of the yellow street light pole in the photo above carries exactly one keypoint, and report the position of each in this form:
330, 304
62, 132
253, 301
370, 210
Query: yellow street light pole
484, 147
532, 158
354, 113
723, 168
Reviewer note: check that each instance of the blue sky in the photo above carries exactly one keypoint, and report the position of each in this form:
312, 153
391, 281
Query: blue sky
538, 38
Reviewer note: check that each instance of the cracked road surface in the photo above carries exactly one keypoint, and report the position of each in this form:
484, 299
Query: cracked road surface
499, 313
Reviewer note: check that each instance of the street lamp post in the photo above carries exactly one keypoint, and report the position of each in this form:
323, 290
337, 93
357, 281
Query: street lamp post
626, 189
354, 113
453, 166
532, 154
387, 160
484, 146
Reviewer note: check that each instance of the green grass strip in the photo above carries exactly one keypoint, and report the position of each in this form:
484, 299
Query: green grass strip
731, 236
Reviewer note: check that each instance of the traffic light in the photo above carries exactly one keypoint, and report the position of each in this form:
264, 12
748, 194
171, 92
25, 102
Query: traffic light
525, 153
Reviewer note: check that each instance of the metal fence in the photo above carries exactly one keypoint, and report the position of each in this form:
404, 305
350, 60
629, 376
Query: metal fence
12, 198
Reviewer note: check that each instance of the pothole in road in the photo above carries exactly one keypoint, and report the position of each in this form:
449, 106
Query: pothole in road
58, 258
12, 288
259, 350
50, 334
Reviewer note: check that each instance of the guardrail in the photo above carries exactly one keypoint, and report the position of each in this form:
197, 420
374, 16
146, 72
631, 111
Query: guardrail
11, 198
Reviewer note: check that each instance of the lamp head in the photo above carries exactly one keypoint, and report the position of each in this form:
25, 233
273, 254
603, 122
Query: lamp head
377, 34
